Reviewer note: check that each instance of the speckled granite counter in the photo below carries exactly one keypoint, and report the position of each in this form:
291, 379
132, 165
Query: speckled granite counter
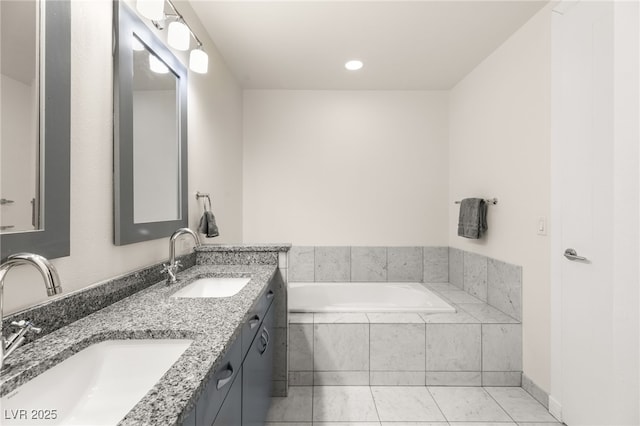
212, 324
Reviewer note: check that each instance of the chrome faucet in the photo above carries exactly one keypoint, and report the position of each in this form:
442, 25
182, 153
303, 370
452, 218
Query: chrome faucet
172, 267
51, 282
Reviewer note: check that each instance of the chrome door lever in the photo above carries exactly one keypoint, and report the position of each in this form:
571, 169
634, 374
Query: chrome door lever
571, 254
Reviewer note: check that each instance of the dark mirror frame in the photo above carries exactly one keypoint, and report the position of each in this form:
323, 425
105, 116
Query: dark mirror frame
52, 240
126, 24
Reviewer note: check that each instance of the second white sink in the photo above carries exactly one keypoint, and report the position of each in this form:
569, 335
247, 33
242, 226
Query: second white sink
213, 287
96, 386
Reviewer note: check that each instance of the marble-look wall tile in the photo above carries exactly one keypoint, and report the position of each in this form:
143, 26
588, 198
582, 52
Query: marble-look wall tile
501, 378
369, 264
300, 378
453, 347
341, 347
453, 378
436, 264
397, 378
456, 267
332, 264
301, 264
475, 275
301, 347
501, 347
341, 378
504, 282
397, 347
404, 264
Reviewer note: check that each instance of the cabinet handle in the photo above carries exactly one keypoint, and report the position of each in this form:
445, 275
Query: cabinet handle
264, 336
270, 294
221, 382
254, 321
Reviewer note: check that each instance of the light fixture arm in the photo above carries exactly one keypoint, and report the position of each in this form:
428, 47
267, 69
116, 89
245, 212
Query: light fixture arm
180, 18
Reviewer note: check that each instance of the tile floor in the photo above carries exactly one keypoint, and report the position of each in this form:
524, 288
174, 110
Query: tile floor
407, 406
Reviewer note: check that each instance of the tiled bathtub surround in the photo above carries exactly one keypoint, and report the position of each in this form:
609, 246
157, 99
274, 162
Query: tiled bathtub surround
479, 347
497, 283
368, 264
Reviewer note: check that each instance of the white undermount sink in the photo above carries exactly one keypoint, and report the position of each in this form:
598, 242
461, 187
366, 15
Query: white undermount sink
97, 386
213, 287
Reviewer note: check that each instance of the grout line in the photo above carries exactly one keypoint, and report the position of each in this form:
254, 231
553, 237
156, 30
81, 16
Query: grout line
499, 405
375, 406
436, 402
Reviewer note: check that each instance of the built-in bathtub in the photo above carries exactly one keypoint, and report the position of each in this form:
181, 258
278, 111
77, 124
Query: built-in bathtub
364, 297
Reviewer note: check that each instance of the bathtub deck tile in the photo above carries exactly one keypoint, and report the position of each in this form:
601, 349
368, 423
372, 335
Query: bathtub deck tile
340, 318
459, 317
487, 314
395, 318
460, 296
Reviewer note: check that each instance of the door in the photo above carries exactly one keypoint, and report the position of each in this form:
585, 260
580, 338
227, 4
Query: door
583, 131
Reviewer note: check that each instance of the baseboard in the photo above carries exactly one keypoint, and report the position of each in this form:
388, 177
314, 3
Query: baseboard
535, 391
555, 408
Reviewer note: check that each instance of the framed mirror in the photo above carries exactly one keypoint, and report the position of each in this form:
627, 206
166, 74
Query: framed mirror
150, 133
35, 92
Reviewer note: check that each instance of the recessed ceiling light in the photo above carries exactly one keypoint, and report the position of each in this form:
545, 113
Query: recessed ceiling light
353, 65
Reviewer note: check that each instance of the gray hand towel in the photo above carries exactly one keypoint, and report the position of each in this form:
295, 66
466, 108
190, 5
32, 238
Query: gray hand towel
472, 222
208, 225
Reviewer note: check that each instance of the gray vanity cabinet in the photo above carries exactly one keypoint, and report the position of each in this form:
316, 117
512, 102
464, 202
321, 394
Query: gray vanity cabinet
230, 413
239, 391
256, 380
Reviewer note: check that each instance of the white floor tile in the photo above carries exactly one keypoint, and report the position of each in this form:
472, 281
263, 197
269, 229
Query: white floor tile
343, 404
405, 403
294, 408
520, 405
468, 404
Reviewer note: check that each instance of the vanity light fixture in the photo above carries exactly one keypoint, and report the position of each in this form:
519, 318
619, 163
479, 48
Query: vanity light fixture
137, 45
199, 61
353, 65
151, 9
156, 65
179, 33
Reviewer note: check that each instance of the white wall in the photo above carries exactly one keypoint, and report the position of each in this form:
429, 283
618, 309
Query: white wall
215, 162
500, 147
345, 167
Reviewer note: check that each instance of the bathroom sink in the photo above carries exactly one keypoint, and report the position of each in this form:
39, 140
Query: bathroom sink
97, 386
213, 287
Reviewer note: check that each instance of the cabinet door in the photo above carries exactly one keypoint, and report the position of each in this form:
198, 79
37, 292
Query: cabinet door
230, 413
257, 372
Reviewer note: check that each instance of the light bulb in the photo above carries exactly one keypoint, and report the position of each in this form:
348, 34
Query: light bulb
151, 9
156, 65
199, 61
178, 36
353, 65
137, 45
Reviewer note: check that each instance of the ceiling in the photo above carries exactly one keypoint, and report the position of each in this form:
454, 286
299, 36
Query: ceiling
405, 45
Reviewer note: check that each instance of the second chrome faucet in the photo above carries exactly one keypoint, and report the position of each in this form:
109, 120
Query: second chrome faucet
171, 268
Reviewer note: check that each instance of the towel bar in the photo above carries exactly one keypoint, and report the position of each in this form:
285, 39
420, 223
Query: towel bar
204, 195
493, 201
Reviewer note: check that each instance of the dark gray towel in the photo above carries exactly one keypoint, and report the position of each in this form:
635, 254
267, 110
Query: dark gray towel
472, 222
208, 225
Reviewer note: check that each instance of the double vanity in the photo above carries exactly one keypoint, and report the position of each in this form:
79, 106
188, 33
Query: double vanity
197, 352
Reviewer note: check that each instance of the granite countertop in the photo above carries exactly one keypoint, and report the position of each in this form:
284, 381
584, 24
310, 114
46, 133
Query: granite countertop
271, 247
212, 324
